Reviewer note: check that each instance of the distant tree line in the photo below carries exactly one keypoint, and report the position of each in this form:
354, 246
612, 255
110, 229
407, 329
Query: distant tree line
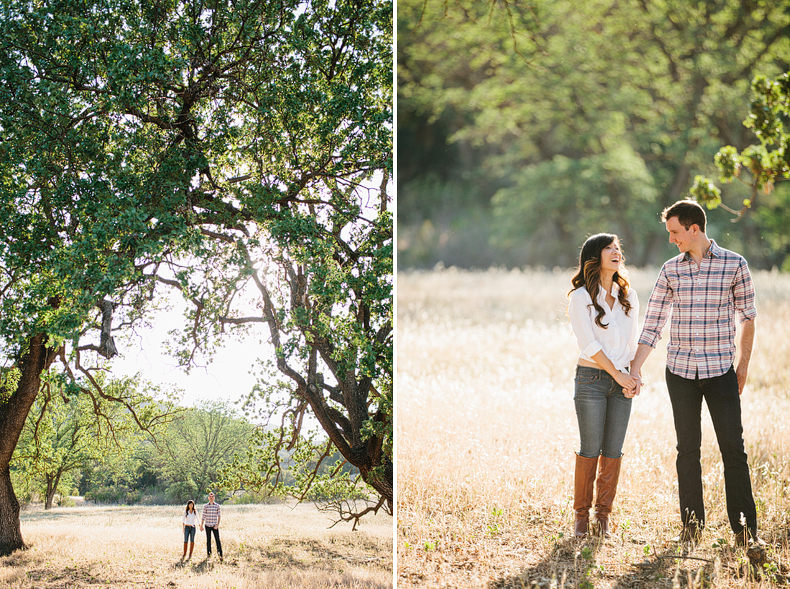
71, 446
523, 127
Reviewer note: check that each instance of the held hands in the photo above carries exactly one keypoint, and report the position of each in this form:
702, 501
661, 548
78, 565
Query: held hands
639, 384
629, 384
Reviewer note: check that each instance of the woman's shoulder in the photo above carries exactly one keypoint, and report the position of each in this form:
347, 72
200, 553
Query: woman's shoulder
580, 295
580, 292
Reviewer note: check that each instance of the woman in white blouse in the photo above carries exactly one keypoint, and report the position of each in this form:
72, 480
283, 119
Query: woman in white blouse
603, 311
189, 523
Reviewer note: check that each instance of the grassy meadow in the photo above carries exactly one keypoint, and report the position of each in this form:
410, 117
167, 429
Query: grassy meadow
487, 432
264, 546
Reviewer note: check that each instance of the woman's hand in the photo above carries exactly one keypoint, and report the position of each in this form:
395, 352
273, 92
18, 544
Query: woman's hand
628, 383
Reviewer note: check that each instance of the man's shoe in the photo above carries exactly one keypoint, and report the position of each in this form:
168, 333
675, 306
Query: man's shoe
749, 540
690, 534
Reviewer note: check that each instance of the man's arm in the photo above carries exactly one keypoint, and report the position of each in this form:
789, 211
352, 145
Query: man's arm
658, 309
745, 344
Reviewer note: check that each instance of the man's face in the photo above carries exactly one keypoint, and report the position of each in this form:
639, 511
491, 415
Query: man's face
679, 235
211, 497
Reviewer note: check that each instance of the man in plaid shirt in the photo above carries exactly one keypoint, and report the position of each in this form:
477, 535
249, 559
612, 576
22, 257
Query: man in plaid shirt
704, 290
210, 519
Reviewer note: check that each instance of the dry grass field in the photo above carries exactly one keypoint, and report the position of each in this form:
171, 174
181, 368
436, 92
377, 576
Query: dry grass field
487, 433
264, 546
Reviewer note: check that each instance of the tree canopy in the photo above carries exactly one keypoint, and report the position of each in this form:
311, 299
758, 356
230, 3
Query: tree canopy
202, 147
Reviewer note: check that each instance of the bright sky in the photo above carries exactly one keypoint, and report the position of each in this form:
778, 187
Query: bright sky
226, 378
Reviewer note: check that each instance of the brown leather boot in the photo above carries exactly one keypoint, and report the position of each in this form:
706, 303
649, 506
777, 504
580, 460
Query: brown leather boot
605, 490
583, 480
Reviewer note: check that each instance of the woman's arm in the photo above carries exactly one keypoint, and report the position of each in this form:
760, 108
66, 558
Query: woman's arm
626, 381
581, 323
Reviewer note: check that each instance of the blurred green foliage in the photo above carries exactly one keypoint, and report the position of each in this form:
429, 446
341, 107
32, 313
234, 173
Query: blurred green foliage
523, 128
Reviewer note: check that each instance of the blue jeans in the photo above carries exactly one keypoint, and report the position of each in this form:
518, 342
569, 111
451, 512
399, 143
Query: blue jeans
724, 405
189, 534
603, 413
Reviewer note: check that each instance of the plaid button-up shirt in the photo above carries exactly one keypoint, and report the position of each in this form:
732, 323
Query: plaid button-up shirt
703, 302
211, 514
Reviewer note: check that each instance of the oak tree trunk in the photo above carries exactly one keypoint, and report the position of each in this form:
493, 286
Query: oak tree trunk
10, 531
52, 487
13, 413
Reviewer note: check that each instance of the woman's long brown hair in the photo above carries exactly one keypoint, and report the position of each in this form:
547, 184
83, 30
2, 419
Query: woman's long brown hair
588, 274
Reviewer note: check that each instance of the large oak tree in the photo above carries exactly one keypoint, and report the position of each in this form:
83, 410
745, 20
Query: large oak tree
200, 146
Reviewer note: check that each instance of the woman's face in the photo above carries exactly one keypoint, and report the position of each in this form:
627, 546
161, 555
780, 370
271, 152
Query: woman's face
191, 506
611, 256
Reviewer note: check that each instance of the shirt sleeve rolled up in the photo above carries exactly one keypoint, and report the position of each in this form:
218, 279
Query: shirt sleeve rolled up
580, 322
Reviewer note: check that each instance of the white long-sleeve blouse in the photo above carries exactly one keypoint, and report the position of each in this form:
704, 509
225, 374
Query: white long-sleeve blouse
190, 519
619, 340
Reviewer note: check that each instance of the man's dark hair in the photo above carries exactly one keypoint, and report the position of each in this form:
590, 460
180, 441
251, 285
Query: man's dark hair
688, 212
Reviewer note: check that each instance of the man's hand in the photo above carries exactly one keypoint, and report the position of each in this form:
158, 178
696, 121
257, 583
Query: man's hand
745, 344
628, 382
741, 373
642, 352
639, 383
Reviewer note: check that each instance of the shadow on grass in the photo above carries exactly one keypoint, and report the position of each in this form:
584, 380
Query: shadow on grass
304, 554
203, 566
574, 563
39, 571
568, 564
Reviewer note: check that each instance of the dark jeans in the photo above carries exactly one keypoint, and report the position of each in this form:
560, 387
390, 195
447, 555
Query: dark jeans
724, 405
209, 530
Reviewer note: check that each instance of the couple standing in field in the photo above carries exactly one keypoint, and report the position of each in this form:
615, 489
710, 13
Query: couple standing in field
209, 519
704, 289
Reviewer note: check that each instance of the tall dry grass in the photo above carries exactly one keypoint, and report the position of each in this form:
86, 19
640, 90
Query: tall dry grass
487, 432
141, 547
